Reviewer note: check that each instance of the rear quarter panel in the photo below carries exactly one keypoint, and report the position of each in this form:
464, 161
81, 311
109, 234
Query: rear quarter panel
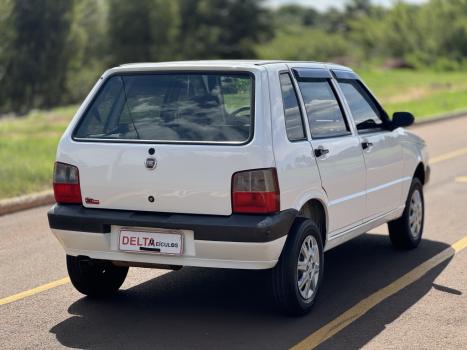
299, 178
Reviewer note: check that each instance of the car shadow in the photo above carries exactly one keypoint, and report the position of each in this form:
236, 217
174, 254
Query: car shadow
198, 308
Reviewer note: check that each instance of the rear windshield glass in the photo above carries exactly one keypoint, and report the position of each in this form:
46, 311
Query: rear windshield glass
171, 107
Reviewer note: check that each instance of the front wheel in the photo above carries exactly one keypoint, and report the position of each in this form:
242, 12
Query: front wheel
299, 271
95, 278
406, 232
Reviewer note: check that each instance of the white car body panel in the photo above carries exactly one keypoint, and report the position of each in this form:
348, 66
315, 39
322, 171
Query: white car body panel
232, 255
414, 152
189, 179
347, 235
298, 174
358, 189
383, 161
342, 173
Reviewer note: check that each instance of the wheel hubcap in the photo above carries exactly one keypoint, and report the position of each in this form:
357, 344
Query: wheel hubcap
415, 213
308, 268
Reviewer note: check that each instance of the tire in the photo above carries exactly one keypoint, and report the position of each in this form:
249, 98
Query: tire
291, 299
406, 232
95, 278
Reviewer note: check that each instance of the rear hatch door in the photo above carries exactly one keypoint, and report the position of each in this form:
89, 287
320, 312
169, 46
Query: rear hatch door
167, 141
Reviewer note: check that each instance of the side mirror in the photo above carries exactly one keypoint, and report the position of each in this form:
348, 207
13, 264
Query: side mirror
401, 119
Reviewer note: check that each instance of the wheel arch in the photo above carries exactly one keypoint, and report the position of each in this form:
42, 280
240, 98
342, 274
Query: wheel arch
420, 173
316, 210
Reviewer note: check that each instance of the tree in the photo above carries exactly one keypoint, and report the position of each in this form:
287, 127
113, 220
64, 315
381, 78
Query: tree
88, 43
141, 32
444, 26
296, 15
358, 8
334, 21
37, 62
222, 28
305, 44
6, 39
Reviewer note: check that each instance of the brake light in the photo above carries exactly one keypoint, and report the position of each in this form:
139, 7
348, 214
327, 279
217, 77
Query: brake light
255, 191
66, 183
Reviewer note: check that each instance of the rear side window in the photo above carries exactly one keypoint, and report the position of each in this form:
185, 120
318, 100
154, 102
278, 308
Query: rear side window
364, 111
172, 107
323, 110
292, 113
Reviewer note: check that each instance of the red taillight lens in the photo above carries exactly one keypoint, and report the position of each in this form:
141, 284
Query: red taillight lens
255, 191
66, 183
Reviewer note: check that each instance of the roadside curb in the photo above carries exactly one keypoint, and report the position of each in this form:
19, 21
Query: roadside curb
12, 205
441, 118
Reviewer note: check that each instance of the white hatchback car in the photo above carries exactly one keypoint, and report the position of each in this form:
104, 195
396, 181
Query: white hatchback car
232, 164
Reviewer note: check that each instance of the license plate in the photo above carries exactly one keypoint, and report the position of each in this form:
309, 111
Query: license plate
151, 242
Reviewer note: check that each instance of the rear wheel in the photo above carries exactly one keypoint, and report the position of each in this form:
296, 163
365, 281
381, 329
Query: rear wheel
95, 278
299, 271
406, 232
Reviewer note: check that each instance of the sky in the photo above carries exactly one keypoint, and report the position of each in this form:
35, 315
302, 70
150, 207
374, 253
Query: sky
325, 4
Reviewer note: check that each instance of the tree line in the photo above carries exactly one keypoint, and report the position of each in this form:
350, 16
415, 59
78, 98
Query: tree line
51, 52
431, 35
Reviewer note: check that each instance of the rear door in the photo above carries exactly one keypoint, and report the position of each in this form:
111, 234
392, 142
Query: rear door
168, 142
336, 148
381, 147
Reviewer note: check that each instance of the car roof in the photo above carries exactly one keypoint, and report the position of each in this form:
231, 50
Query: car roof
228, 64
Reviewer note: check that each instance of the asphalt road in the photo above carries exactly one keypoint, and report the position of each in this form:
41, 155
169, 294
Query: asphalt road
222, 309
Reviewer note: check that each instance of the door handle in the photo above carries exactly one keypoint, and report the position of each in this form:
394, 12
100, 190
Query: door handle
321, 151
366, 145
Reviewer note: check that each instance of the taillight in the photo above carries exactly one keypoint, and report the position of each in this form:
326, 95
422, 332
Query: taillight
66, 183
255, 191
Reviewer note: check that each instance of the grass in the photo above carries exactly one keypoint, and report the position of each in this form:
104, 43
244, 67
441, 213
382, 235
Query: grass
28, 144
27, 150
423, 93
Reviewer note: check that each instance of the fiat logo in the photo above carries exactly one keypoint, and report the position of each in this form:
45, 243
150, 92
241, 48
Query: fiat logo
150, 163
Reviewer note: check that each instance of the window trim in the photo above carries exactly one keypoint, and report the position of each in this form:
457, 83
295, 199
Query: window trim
305, 136
303, 73
349, 76
344, 74
339, 102
165, 142
384, 116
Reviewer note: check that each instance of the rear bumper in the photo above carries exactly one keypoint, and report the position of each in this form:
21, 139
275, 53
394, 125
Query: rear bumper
236, 241
233, 228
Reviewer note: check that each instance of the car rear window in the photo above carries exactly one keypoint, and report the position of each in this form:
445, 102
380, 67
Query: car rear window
171, 107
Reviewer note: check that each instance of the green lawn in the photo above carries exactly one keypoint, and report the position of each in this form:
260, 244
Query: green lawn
28, 144
27, 150
423, 93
